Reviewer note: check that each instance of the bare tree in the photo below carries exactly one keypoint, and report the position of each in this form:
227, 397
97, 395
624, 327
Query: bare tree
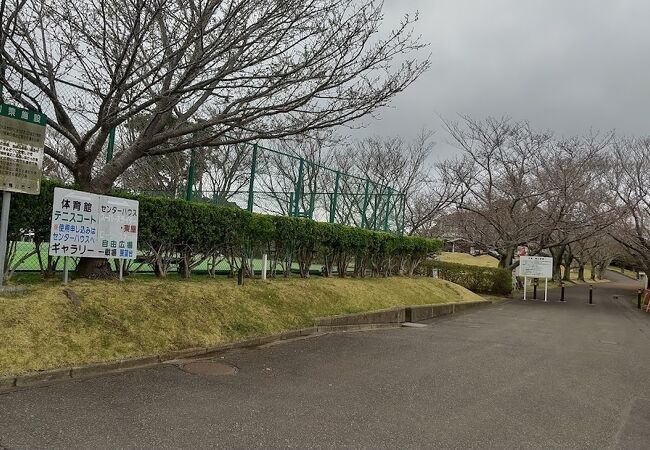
279, 172
578, 204
499, 207
162, 175
403, 178
201, 73
428, 205
225, 171
525, 187
630, 181
51, 168
598, 252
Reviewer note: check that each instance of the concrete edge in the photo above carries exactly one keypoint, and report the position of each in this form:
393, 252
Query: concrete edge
390, 315
418, 313
393, 317
362, 327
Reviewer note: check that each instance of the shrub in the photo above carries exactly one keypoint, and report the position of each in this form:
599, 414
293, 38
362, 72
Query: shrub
486, 280
185, 234
30, 216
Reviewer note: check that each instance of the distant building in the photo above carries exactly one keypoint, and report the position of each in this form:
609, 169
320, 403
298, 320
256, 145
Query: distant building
457, 245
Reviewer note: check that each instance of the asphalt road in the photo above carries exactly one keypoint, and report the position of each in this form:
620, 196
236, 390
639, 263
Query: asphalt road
515, 375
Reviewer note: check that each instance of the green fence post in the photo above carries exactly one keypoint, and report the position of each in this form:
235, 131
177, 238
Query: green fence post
375, 208
190, 177
335, 197
364, 218
398, 200
251, 183
402, 222
299, 187
111, 145
386, 215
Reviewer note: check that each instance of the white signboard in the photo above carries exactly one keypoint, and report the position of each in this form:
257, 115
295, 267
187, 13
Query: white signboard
93, 226
536, 267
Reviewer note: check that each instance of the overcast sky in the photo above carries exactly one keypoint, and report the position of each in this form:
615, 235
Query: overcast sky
563, 65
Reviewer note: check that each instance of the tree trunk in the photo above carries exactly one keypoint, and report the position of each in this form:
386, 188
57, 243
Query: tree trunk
581, 272
557, 269
184, 267
94, 268
91, 267
505, 260
558, 253
568, 259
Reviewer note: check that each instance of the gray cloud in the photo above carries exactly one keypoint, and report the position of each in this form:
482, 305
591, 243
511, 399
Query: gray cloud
564, 65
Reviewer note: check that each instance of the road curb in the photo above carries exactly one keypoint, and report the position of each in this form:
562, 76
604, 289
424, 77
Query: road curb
113, 366
363, 327
373, 320
45, 376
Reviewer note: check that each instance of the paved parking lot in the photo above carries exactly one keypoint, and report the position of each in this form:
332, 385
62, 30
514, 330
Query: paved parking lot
515, 375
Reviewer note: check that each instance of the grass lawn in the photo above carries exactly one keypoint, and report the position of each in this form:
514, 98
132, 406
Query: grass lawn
489, 261
628, 273
574, 281
30, 263
588, 280
466, 258
42, 329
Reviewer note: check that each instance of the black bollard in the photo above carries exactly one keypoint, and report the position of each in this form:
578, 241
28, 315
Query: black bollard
535, 289
240, 277
561, 291
591, 294
638, 298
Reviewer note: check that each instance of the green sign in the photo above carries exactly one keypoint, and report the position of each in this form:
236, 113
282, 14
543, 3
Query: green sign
22, 139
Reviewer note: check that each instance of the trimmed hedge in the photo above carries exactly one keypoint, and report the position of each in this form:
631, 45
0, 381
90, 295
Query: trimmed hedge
486, 280
178, 233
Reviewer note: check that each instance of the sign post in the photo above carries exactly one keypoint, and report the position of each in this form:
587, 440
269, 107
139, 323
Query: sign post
65, 270
545, 289
536, 267
525, 286
264, 265
22, 140
522, 250
4, 226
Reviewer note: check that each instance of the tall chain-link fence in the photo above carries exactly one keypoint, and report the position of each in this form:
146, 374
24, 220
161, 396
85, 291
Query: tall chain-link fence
275, 182
251, 177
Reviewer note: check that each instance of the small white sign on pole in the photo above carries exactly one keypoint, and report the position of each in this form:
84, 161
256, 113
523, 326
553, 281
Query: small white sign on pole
93, 226
536, 267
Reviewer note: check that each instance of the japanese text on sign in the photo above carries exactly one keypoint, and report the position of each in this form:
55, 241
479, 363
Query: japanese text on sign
93, 226
536, 267
22, 138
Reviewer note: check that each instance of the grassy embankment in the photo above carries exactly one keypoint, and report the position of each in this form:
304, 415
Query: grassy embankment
42, 329
466, 258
